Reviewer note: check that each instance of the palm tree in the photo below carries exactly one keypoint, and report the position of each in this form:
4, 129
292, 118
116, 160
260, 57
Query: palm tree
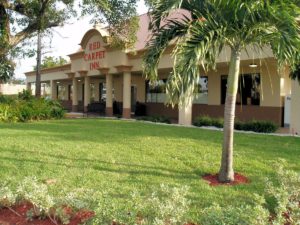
205, 28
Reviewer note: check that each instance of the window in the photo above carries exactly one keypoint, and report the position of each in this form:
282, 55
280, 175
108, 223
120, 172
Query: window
70, 92
156, 91
61, 92
201, 91
45, 90
102, 92
248, 91
93, 92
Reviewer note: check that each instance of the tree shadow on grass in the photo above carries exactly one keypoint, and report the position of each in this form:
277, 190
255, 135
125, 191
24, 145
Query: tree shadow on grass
118, 130
103, 166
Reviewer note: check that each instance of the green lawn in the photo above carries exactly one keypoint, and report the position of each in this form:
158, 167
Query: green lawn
122, 155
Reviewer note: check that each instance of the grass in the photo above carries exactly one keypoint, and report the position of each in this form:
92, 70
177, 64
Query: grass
119, 156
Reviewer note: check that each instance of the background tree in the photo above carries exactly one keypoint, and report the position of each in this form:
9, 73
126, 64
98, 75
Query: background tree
22, 20
52, 61
200, 38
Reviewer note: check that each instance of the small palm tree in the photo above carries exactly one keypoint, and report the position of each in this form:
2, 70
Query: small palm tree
202, 32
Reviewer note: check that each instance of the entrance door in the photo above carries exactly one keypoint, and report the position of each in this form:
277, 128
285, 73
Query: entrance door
133, 98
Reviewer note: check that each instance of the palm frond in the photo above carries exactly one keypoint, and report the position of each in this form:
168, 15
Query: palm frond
201, 46
158, 44
295, 74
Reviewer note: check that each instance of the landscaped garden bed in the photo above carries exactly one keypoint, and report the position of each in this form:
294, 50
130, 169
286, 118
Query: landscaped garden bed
19, 215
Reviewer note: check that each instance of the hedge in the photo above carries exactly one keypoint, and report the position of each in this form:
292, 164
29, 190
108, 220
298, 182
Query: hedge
253, 125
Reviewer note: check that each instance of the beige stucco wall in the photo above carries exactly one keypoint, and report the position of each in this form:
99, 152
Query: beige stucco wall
295, 108
118, 88
11, 89
58, 75
139, 82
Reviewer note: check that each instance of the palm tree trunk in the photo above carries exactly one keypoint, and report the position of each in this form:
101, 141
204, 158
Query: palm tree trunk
226, 173
38, 67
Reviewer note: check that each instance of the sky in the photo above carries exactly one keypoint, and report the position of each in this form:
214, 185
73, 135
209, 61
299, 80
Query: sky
65, 41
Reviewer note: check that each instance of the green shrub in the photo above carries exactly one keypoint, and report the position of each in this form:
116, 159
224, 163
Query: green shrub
254, 125
7, 99
203, 121
7, 113
219, 122
284, 195
166, 205
22, 110
57, 111
25, 95
238, 125
236, 215
281, 200
156, 119
38, 194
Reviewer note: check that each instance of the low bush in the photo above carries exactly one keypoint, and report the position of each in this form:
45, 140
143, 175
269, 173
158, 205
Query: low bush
254, 125
279, 205
207, 121
167, 205
26, 108
283, 195
7, 99
203, 121
155, 119
255, 214
164, 206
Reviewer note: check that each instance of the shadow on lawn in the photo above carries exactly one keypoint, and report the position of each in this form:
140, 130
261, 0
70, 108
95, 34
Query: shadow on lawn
87, 130
104, 166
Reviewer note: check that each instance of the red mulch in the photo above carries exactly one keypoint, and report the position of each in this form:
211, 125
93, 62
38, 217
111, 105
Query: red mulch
7, 217
212, 179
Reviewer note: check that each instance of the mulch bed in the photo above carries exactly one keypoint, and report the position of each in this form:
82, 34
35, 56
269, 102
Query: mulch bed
212, 179
8, 217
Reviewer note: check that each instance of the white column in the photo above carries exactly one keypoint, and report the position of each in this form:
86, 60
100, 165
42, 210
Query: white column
74, 95
126, 95
53, 87
87, 92
109, 100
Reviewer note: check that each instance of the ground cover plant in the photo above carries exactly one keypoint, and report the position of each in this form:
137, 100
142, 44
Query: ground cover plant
119, 158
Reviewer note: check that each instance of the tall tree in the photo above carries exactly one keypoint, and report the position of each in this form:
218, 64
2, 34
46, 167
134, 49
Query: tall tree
20, 20
201, 36
38, 65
